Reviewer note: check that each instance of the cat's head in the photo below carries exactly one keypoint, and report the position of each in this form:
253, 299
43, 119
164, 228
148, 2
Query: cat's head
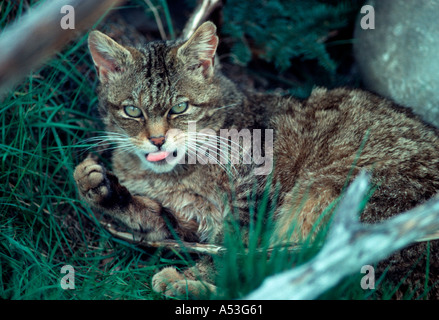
149, 95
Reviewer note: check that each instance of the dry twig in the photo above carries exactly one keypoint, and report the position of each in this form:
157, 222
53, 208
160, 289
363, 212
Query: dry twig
157, 18
191, 247
139, 240
26, 44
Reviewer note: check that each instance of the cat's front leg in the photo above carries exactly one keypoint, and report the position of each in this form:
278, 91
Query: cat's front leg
102, 190
93, 184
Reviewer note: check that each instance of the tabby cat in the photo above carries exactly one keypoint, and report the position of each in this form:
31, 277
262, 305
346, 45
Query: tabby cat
149, 96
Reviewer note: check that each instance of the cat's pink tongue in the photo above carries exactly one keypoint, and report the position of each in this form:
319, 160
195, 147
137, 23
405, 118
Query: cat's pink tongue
157, 156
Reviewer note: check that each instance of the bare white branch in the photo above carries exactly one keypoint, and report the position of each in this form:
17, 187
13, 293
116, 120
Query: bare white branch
204, 9
350, 245
26, 44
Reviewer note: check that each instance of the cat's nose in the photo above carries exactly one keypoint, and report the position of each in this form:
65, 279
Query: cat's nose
157, 141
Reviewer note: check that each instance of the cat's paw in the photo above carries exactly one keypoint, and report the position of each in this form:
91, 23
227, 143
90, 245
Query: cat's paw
92, 181
173, 284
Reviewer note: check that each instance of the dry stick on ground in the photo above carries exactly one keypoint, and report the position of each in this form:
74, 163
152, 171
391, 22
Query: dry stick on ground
350, 245
190, 247
136, 238
26, 44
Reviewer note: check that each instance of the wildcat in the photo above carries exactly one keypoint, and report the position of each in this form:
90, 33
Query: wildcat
148, 96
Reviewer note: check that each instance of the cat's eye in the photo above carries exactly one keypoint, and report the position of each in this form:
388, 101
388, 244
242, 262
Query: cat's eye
133, 111
179, 108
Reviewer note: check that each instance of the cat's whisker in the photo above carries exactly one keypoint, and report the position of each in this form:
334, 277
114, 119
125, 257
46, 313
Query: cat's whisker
106, 138
213, 149
211, 145
194, 148
110, 141
102, 146
223, 160
222, 139
224, 145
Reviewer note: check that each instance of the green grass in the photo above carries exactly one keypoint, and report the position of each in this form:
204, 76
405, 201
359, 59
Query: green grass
43, 225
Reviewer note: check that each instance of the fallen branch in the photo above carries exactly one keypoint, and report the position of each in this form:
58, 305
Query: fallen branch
138, 239
27, 43
350, 245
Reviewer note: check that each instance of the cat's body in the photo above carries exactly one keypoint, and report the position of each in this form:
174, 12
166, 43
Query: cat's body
319, 145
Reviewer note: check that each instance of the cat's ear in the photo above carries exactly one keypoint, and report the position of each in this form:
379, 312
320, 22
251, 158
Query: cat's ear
108, 56
199, 51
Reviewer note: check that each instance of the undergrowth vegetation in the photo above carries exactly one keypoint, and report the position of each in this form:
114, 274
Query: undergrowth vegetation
43, 225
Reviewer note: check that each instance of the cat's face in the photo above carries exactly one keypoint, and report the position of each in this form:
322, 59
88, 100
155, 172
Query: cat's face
149, 96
